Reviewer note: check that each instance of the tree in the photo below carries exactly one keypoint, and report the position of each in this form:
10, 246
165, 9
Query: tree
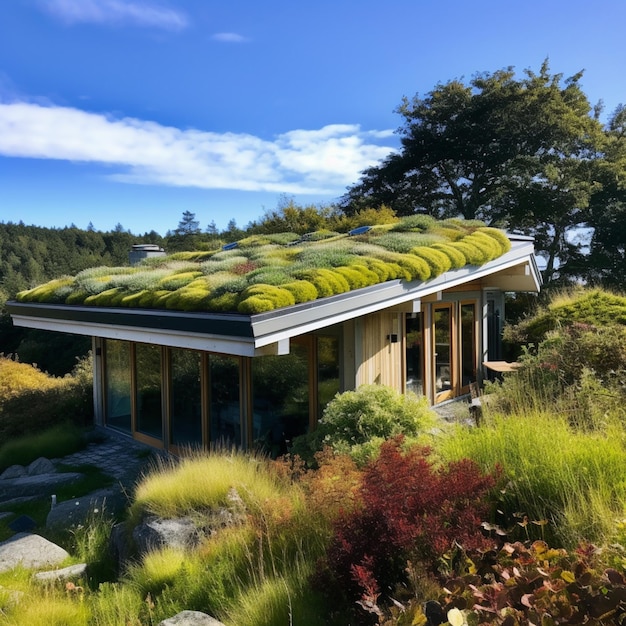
188, 225
607, 221
514, 152
212, 230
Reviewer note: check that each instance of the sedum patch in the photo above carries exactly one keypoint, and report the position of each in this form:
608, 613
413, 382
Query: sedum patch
266, 272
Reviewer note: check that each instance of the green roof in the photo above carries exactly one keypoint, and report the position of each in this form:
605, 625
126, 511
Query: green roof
266, 272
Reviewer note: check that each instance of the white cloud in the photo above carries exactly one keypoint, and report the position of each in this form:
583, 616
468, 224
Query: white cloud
320, 161
229, 38
116, 12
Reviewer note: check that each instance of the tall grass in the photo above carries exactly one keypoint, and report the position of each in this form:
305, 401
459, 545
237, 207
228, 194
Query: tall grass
241, 573
199, 482
575, 480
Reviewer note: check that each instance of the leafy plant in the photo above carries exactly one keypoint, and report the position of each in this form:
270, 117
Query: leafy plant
411, 510
356, 422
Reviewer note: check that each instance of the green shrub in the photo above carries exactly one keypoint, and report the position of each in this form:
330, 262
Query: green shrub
31, 401
586, 306
327, 282
76, 297
498, 235
490, 247
472, 254
413, 267
108, 297
177, 280
189, 299
53, 291
457, 258
269, 276
403, 242
357, 277
357, 422
414, 222
378, 267
302, 290
436, 259
225, 302
261, 298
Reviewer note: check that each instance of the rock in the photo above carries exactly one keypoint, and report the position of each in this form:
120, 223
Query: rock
76, 511
14, 471
156, 532
191, 618
72, 572
29, 551
14, 501
23, 523
41, 466
118, 545
40, 485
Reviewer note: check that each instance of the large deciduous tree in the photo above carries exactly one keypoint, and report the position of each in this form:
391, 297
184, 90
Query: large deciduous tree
526, 153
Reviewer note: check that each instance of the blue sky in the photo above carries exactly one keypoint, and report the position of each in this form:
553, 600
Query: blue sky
133, 111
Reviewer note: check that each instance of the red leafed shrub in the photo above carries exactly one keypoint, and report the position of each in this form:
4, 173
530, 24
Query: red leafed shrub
412, 511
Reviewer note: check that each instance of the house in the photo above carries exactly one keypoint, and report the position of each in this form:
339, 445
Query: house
246, 344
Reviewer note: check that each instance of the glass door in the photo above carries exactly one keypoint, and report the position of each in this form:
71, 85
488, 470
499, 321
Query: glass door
468, 345
414, 354
444, 362
148, 395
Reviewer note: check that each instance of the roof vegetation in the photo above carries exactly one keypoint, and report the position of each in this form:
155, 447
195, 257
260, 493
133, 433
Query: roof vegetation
266, 272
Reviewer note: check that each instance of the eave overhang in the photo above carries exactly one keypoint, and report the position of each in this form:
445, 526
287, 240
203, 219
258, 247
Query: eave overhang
269, 333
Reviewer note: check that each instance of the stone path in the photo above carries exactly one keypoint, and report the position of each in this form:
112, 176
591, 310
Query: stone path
119, 456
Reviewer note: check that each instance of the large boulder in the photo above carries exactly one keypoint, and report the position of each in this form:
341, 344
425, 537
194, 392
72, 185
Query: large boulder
156, 532
39, 485
191, 618
41, 466
14, 471
75, 511
29, 551
72, 572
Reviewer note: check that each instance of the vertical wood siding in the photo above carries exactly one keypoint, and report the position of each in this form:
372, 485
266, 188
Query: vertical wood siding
382, 358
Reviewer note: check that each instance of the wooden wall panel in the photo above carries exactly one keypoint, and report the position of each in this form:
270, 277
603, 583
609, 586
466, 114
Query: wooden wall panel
381, 355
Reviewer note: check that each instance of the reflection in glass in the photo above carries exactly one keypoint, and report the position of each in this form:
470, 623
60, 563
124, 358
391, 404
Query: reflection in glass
148, 373
468, 343
280, 399
117, 385
327, 370
414, 356
443, 352
186, 398
225, 424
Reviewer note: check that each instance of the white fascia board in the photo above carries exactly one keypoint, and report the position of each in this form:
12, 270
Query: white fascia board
237, 346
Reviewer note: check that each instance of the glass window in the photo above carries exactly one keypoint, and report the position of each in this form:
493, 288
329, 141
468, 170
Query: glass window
148, 377
224, 389
443, 348
117, 385
414, 354
468, 343
280, 398
327, 370
185, 398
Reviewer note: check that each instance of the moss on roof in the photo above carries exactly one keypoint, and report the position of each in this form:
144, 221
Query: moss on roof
266, 272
